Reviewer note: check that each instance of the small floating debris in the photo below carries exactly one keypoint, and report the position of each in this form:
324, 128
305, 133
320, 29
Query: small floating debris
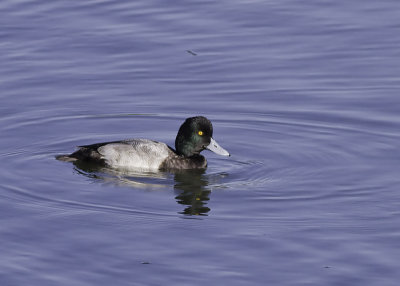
191, 52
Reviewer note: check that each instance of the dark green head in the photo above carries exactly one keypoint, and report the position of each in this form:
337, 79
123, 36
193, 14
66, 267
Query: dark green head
195, 135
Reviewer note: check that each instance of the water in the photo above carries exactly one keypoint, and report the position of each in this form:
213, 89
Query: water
304, 95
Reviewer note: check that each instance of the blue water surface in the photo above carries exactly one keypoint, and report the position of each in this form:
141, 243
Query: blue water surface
303, 94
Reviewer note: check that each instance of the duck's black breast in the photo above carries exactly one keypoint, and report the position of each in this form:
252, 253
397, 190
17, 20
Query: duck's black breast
177, 162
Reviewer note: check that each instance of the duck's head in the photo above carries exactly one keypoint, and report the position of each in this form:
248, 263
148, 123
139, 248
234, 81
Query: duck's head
195, 135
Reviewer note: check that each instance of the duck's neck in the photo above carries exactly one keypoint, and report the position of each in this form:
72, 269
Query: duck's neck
181, 162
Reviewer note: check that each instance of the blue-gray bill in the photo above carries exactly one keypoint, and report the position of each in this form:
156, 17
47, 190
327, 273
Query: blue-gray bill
216, 148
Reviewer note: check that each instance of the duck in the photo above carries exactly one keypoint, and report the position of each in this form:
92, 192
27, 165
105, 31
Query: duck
194, 136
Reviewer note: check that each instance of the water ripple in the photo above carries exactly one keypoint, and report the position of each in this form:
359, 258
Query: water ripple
23, 195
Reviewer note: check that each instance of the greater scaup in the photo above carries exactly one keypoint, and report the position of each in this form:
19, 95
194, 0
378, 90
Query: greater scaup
194, 135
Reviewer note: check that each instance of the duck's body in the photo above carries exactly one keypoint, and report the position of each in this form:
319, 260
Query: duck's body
194, 136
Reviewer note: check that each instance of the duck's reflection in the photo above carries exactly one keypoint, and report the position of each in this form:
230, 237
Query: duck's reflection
190, 186
192, 191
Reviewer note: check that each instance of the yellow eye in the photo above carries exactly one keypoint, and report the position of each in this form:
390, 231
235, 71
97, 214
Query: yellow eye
200, 133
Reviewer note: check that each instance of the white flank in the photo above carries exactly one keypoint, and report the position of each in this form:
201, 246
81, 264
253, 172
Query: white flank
135, 154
